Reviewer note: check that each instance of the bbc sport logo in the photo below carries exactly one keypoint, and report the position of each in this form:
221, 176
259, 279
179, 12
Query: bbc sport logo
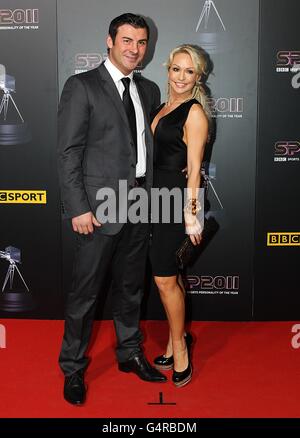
88, 61
23, 197
283, 239
287, 61
286, 151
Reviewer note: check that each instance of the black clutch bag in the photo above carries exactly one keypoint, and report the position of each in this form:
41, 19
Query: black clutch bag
187, 252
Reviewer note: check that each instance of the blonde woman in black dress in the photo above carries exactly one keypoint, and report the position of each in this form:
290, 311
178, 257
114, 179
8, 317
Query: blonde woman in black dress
180, 129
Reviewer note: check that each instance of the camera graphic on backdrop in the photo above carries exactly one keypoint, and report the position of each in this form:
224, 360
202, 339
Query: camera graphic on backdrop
213, 203
211, 28
15, 294
13, 129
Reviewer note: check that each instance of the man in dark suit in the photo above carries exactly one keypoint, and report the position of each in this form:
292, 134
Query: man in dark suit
104, 137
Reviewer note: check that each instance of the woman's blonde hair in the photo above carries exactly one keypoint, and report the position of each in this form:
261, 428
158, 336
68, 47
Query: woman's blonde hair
199, 59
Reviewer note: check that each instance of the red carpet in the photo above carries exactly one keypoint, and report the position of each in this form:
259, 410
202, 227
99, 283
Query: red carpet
240, 370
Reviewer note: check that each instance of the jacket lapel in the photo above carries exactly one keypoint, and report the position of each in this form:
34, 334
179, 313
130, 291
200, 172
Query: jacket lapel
109, 86
146, 111
106, 83
143, 97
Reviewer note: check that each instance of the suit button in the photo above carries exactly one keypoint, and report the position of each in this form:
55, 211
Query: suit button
132, 165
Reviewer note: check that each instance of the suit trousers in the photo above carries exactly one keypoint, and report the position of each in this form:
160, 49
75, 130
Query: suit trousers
125, 255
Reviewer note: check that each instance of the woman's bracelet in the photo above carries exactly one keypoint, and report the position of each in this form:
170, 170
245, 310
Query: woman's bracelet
193, 206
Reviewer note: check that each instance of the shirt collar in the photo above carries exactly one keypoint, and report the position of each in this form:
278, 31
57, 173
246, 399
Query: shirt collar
115, 73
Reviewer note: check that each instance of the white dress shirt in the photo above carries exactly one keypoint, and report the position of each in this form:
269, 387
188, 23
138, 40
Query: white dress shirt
117, 75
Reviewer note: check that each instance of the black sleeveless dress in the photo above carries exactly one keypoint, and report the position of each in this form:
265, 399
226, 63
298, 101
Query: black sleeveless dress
170, 158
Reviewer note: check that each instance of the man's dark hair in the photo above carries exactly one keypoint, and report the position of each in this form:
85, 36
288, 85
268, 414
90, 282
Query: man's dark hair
134, 20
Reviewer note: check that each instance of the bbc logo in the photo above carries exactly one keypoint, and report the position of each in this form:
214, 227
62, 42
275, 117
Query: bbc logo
283, 239
23, 197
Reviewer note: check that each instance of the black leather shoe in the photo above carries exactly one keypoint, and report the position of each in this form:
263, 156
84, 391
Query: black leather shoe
141, 367
74, 388
167, 363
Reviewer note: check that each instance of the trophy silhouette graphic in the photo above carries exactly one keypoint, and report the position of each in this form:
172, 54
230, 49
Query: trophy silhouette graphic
208, 172
12, 130
213, 204
205, 14
209, 26
14, 298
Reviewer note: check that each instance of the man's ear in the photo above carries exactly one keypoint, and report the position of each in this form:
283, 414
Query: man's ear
109, 41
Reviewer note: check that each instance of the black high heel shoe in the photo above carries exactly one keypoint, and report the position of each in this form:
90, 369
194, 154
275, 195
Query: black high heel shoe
181, 378
189, 341
167, 363
164, 363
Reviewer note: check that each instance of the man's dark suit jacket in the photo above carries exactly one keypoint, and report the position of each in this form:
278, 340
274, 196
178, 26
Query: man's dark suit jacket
96, 149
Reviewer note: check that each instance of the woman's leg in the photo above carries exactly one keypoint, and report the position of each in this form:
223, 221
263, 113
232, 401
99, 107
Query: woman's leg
173, 299
169, 351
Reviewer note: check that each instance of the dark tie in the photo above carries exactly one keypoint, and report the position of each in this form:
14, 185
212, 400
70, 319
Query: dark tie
129, 108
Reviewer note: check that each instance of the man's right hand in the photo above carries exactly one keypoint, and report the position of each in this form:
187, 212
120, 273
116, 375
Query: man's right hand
84, 224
